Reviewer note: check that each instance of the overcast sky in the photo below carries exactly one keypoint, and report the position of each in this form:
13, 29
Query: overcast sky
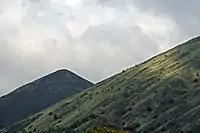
94, 38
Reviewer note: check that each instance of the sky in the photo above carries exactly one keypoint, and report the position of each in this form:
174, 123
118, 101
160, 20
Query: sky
93, 38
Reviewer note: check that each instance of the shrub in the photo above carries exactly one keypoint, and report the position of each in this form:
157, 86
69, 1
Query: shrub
162, 103
197, 74
163, 129
50, 113
130, 108
195, 80
171, 100
156, 116
55, 117
126, 94
159, 124
104, 105
93, 116
103, 112
129, 128
30, 126
151, 128
137, 125
150, 109
59, 121
123, 123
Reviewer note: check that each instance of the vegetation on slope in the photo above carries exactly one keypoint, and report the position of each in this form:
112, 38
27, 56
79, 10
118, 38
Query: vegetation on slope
105, 130
159, 95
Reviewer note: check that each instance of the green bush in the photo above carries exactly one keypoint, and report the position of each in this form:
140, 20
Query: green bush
55, 117
50, 113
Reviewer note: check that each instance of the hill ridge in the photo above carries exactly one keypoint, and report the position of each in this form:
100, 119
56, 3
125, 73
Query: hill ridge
51, 88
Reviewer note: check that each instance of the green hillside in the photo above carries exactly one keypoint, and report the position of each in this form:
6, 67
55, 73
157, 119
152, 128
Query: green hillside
159, 95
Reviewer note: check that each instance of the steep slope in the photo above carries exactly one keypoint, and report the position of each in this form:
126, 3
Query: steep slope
159, 95
38, 95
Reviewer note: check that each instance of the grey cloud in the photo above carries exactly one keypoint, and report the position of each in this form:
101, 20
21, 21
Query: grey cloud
184, 13
95, 38
111, 48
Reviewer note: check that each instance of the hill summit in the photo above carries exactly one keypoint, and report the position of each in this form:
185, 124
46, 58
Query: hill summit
38, 95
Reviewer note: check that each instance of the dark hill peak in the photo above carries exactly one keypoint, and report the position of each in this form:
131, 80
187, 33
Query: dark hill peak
61, 72
39, 94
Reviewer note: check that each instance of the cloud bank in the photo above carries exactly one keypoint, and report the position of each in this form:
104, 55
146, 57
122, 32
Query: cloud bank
94, 38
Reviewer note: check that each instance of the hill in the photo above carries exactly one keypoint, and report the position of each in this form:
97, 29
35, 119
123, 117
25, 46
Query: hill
38, 95
159, 95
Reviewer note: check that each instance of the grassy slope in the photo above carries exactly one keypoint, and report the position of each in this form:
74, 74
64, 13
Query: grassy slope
158, 95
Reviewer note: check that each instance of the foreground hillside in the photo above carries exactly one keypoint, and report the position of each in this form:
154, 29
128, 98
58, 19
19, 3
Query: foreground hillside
159, 95
38, 95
